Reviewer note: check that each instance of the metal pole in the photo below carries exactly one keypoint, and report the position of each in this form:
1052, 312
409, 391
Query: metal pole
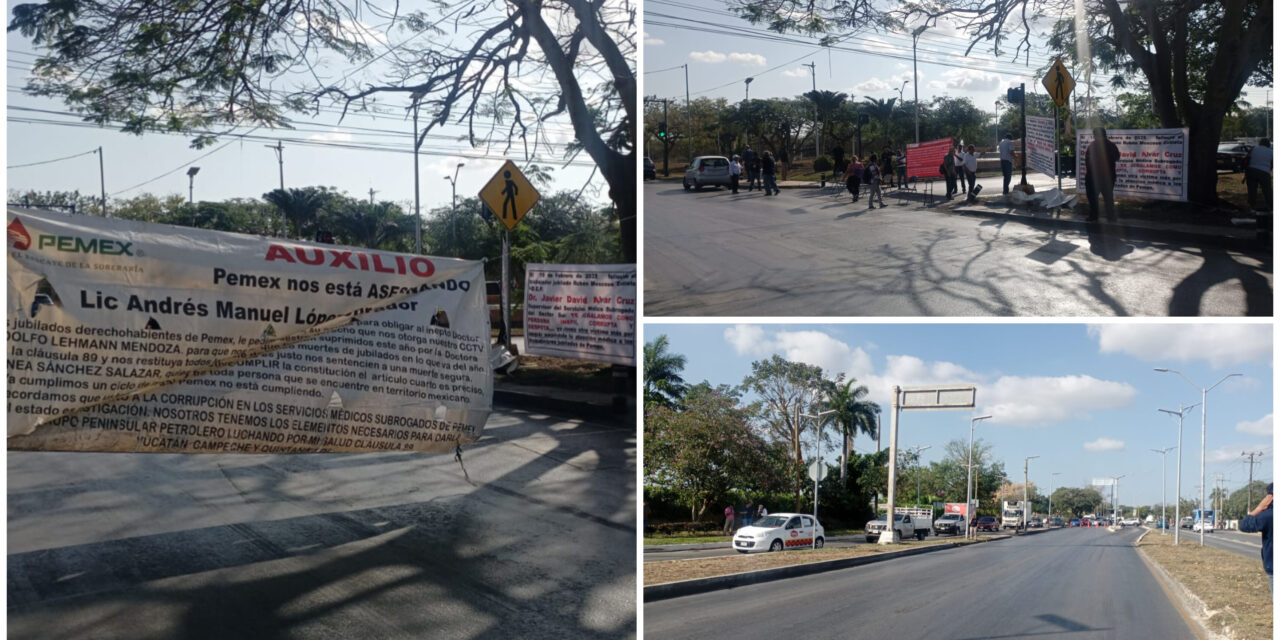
417, 200
1024, 132
102, 182
1051, 475
506, 285
1177, 505
887, 536
746, 112
1057, 148
1204, 394
453, 210
817, 135
968, 479
1026, 511
818, 470
875, 496
688, 109
915, 79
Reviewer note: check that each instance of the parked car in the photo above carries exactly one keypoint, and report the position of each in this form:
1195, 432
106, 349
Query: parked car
1231, 155
707, 170
1056, 522
650, 172
778, 531
1186, 522
988, 523
1131, 522
1075, 522
1035, 521
1208, 526
950, 523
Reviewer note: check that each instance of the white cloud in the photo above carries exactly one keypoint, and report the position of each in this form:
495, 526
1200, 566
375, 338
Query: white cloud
651, 41
747, 58
747, 339
330, 136
1104, 444
1035, 401
707, 56
798, 72
1263, 426
1231, 453
810, 347
972, 80
1220, 344
874, 85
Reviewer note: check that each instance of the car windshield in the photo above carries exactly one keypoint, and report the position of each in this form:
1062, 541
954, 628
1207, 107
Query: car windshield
951, 516
772, 522
1230, 147
715, 162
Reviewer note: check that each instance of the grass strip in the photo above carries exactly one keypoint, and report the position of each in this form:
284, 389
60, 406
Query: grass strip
1233, 587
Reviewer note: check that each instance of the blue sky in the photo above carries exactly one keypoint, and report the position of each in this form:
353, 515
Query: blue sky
317, 152
1082, 397
722, 50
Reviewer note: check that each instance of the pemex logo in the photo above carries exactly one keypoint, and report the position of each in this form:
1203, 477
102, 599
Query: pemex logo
18, 236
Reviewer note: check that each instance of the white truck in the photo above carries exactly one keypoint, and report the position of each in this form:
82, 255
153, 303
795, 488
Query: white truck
1012, 516
907, 522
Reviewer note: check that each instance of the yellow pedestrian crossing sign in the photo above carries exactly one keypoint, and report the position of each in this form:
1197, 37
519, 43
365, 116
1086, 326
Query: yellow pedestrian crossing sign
1059, 83
509, 195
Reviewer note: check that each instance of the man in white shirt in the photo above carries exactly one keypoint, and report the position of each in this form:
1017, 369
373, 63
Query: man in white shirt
1258, 172
1006, 160
971, 170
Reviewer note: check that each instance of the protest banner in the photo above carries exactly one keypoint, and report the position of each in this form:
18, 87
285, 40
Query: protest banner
1152, 162
582, 311
924, 159
1040, 145
133, 337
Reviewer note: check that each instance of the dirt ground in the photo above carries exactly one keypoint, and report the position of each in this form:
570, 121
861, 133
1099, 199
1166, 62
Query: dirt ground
577, 374
676, 570
1233, 587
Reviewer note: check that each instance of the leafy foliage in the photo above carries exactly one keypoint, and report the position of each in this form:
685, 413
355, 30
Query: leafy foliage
663, 385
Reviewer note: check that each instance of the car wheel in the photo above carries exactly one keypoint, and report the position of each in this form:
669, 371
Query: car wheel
686, 185
776, 545
697, 186
870, 540
817, 544
920, 535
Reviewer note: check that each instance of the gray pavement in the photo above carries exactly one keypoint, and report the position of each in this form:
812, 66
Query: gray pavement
1071, 583
807, 253
536, 540
1248, 545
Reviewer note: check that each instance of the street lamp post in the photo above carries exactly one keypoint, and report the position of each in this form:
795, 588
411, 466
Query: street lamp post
818, 471
1115, 497
745, 106
1177, 503
1164, 497
191, 184
1051, 475
915, 76
968, 489
916, 452
1204, 393
453, 207
1026, 512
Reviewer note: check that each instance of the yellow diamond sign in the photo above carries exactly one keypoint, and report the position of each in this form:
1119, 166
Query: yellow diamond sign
509, 195
1059, 83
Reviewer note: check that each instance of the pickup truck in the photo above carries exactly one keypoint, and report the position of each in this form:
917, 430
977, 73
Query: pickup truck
907, 521
950, 523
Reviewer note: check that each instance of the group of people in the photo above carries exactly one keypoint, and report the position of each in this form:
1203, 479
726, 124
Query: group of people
761, 170
959, 170
744, 517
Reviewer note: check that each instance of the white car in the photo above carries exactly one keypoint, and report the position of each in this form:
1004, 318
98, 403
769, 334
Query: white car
778, 531
1208, 526
1131, 522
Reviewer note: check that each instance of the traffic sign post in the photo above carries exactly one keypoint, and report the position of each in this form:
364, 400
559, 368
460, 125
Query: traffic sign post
509, 196
1059, 83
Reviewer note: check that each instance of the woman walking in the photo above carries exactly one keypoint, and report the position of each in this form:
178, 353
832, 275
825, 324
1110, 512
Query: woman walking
873, 181
854, 176
767, 168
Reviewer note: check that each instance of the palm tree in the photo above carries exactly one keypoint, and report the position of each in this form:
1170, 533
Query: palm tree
827, 103
853, 413
299, 206
662, 382
373, 226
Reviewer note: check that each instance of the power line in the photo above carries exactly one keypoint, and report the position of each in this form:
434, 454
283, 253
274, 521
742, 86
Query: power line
33, 164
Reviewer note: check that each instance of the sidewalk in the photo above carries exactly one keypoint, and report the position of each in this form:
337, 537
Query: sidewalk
1170, 226
574, 402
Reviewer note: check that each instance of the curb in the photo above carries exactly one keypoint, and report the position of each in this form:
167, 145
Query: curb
703, 585
1128, 232
1191, 607
537, 402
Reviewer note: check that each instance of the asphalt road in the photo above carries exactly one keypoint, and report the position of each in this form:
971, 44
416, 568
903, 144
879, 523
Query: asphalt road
725, 551
142, 546
712, 253
1245, 544
1073, 584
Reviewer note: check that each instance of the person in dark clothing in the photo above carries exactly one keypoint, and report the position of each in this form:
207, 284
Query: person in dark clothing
1261, 520
1100, 160
853, 177
751, 164
837, 157
948, 171
768, 167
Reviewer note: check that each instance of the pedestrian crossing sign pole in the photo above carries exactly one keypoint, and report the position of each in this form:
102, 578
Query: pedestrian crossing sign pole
509, 196
1059, 83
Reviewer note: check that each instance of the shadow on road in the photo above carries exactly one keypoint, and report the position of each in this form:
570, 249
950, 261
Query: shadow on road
1220, 266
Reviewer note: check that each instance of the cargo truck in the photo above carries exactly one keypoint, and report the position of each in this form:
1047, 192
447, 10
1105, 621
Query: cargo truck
1011, 517
907, 522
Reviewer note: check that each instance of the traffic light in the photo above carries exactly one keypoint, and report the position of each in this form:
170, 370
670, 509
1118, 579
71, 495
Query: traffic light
1014, 95
662, 130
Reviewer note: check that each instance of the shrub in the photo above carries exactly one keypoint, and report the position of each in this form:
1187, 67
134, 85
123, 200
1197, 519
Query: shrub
822, 164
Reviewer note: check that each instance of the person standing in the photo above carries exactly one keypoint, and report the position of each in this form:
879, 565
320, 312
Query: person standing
900, 160
728, 520
853, 177
957, 155
837, 157
735, 172
1257, 173
750, 160
1100, 159
767, 169
747, 513
886, 166
948, 171
873, 183
970, 160
1261, 520
1006, 160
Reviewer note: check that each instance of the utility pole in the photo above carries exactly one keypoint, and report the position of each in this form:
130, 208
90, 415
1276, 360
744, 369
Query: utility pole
688, 109
279, 149
1026, 512
746, 102
1164, 498
1217, 507
1252, 454
102, 182
817, 136
371, 192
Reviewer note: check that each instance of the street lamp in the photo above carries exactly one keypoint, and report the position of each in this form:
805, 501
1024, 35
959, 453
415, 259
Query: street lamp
1177, 505
1115, 497
818, 468
1164, 498
1051, 475
191, 184
747, 132
1026, 515
968, 489
916, 453
453, 208
915, 76
1204, 393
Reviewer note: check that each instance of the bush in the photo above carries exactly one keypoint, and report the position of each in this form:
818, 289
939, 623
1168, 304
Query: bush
822, 164
685, 528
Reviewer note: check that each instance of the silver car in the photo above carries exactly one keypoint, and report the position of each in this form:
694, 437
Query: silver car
707, 170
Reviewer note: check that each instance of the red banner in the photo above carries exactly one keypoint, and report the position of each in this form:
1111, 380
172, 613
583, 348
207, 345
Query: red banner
923, 159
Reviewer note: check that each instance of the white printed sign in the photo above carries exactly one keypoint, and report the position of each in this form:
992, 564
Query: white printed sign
1040, 145
1152, 162
582, 311
134, 337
